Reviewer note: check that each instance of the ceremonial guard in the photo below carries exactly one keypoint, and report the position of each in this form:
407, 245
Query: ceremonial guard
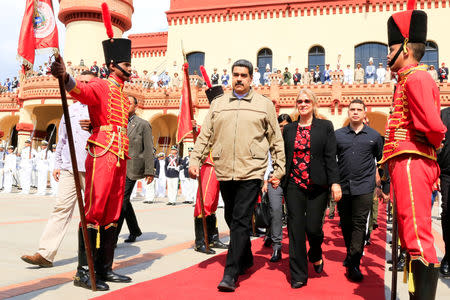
266, 75
104, 71
160, 173
211, 191
107, 153
95, 69
327, 74
381, 73
9, 169
51, 161
186, 186
42, 165
27, 157
414, 131
172, 171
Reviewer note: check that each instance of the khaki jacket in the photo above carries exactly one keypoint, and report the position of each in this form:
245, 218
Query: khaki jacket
239, 134
359, 75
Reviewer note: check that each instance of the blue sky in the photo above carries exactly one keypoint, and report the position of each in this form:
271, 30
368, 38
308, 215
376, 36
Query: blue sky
148, 16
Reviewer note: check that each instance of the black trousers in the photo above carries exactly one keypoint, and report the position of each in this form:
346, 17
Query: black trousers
240, 199
127, 212
354, 211
305, 211
445, 214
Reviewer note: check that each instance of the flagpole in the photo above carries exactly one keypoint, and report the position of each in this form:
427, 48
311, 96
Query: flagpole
199, 178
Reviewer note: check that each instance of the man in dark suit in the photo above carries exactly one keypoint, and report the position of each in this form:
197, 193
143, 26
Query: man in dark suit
141, 165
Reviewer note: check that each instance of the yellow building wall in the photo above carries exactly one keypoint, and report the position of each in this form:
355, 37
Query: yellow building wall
151, 63
291, 38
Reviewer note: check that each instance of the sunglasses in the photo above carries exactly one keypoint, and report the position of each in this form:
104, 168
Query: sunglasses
306, 101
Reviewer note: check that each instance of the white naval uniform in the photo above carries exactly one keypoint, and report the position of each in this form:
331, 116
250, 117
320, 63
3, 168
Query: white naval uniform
161, 181
26, 168
348, 76
2, 165
381, 75
9, 169
42, 165
53, 183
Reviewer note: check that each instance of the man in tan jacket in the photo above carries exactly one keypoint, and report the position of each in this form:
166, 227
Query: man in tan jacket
359, 74
240, 129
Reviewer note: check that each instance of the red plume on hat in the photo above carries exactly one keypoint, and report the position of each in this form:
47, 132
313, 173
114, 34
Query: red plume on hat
107, 20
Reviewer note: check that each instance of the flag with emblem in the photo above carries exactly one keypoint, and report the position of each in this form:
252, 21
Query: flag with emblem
185, 114
38, 31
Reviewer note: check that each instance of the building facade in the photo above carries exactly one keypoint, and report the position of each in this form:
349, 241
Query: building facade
278, 33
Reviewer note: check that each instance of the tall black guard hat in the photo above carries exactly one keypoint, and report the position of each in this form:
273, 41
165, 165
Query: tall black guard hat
408, 26
115, 50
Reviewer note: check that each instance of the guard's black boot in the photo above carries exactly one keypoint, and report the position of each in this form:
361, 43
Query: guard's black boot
445, 268
104, 262
425, 280
82, 277
401, 261
200, 238
213, 233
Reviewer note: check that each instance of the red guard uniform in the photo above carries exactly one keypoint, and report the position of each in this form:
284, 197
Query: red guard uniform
413, 133
107, 148
414, 130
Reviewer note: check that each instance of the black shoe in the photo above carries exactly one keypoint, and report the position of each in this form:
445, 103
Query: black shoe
170, 203
318, 268
354, 274
114, 277
200, 245
227, 284
82, 279
202, 248
331, 216
389, 261
445, 269
132, 238
213, 233
297, 284
374, 226
148, 202
276, 255
267, 241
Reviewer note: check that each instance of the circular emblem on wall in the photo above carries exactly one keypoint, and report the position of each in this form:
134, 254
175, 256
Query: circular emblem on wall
44, 20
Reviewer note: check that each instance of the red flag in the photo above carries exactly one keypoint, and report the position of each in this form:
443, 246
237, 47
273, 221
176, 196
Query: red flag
38, 31
185, 116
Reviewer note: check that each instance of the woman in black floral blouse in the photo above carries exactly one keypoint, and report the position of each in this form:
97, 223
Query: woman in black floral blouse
311, 170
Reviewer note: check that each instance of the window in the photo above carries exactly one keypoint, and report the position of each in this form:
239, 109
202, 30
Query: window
377, 51
431, 56
316, 57
264, 59
195, 60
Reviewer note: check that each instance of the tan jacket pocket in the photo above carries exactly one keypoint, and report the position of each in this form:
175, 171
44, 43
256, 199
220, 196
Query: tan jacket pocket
257, 152
216, 151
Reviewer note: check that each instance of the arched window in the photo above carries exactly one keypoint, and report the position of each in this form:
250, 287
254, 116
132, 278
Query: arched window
431, 56
195, 60
377, 51
264, 59
316, 57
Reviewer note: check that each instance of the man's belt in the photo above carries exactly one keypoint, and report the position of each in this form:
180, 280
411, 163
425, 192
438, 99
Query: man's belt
110, 128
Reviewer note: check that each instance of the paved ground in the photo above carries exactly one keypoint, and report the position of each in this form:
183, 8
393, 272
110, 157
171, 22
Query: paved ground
165, 247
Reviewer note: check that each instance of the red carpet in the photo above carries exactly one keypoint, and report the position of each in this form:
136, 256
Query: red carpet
267, 280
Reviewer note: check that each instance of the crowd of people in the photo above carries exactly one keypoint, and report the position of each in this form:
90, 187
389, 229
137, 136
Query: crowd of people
27, 169
245, 149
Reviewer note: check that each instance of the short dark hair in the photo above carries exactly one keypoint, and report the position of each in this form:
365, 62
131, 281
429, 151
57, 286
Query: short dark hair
418, 50
358, 101
243, 63
284, 117
87, 72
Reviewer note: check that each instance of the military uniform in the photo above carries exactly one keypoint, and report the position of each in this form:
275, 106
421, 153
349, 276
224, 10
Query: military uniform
172, 171
42, 165
9, 170
413, 133
26, 167
106, 165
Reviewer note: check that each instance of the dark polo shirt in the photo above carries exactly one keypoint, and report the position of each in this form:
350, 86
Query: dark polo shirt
356, 154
